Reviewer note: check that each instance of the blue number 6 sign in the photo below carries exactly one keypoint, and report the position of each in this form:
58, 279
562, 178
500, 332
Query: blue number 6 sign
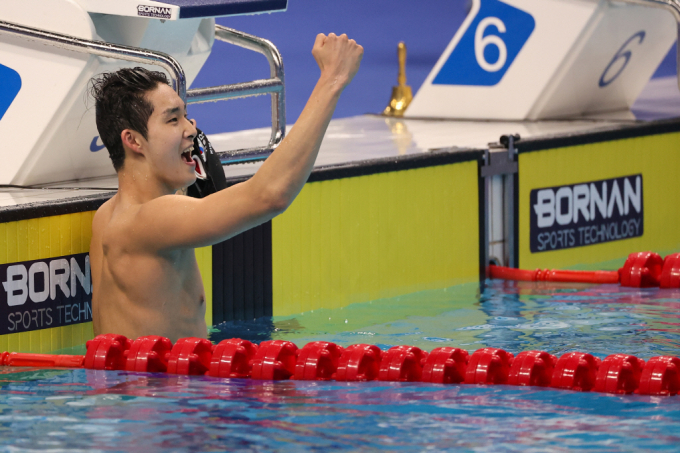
488, 47
606, 79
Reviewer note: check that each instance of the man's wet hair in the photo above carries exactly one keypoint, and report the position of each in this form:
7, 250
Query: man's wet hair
120, 104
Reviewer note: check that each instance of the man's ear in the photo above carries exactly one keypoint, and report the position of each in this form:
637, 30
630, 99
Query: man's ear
132, 140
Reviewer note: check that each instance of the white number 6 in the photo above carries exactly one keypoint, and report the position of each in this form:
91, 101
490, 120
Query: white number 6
481, 42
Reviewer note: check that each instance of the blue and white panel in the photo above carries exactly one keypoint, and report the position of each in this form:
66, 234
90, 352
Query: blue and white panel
533, 59
46, 118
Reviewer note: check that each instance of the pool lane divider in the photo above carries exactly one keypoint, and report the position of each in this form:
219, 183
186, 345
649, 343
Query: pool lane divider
641, 270
323, 361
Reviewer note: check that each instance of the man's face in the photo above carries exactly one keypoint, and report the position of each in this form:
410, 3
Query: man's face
170, 139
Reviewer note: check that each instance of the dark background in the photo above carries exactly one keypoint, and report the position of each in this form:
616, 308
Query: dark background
425, 26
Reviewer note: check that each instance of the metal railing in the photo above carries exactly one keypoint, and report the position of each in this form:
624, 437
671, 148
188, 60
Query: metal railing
673, 6
274, 85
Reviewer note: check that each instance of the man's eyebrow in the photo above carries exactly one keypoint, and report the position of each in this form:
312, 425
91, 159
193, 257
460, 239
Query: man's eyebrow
173, 110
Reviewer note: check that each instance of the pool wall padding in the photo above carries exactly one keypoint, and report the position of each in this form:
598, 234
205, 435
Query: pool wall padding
40, 239
356, 233
382, 235
652, 151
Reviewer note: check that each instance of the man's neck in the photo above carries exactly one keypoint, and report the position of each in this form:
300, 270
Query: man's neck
138, 185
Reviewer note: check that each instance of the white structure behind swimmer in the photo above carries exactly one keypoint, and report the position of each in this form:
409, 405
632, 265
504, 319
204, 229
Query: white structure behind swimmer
538, 59
46, 118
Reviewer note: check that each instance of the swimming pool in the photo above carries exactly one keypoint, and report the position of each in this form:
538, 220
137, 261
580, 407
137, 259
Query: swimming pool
116, 410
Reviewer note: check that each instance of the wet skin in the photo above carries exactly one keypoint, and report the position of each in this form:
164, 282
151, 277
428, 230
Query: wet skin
144, 272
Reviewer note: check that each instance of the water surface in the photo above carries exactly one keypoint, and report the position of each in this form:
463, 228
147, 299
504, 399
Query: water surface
54, 410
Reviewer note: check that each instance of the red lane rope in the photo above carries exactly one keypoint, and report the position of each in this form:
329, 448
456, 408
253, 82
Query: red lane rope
641, 270
551, 275
319, 360
322, 361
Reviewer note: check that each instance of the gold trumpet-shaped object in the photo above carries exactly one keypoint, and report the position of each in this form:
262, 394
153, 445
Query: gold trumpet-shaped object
401, 94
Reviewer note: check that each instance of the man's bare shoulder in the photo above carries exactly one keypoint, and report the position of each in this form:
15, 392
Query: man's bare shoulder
141, 226
103, 214
112, 220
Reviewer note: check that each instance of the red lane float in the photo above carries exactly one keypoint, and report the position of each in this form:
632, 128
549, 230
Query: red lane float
619, 374
670, 273
275, 360
553, 275
534, 368
359, 362
599, 277
641, 270
661, 376
445, 366
489, 366
232, 359
510, 273
190, 356
106, 352
41, 360
317, 361
149, 354
575, 371
402, 363
320, 360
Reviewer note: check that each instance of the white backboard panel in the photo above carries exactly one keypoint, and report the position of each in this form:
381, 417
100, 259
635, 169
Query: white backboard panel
538, 59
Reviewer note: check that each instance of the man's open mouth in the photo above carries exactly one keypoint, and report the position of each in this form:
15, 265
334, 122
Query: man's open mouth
186, 156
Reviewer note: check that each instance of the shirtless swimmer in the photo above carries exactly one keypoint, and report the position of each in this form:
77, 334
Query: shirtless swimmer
144, 274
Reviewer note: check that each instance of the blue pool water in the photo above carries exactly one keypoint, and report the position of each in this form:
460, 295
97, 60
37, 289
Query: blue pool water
53, 410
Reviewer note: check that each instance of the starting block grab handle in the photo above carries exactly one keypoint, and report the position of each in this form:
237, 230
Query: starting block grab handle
274, 85
673, 6
102, 49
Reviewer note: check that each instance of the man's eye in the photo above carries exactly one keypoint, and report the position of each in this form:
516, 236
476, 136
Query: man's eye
172, 119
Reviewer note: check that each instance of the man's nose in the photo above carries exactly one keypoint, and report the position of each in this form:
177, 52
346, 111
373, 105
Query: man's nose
192, 129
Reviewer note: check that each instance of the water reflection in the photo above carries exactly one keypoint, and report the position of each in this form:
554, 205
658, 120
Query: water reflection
128, 410
515, 316
505, 310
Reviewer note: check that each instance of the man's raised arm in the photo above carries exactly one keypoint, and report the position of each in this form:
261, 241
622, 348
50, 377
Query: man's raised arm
180, 222
287, 170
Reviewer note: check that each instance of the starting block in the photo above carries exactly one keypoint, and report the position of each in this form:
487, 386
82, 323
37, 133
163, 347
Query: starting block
542, 59
49, 50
